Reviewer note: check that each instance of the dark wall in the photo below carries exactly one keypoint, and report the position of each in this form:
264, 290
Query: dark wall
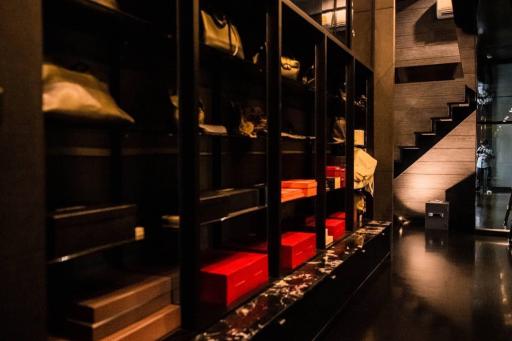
22, 255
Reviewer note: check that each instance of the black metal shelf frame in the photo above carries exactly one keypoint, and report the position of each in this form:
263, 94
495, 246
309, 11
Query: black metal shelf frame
189, 50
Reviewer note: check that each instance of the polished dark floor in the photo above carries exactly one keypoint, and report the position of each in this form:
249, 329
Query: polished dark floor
438, 288
490, 210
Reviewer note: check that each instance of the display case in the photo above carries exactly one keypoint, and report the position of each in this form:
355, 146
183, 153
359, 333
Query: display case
213, 162
111, 181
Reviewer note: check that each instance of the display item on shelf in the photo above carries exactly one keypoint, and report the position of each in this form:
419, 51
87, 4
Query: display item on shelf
296, 249
359, 138
95, 331
308, 78
338, 215
152, 327
334, 227
251, 120
307, 186
220, 203
78, 96
289, 194
339, 130
119, 300
364, 170
229, 276
77, 230
290, 67
100, 307
335, 171
220, 33
208, 129
171, 221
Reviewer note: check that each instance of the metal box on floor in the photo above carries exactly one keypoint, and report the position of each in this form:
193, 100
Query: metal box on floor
437, 215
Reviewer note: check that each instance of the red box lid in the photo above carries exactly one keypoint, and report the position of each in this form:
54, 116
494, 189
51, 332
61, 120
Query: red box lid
294, 238
299, 183
232, 262
334, 168
338, 215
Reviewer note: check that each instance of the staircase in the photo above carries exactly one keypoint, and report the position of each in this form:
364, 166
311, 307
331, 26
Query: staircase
441, 126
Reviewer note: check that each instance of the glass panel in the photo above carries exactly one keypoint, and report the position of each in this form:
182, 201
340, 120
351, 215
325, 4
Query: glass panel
495, 92
494, 179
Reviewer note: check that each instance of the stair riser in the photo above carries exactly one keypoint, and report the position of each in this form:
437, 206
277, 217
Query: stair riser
425, 141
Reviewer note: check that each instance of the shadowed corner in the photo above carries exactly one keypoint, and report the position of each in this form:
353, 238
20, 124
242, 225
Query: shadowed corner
462, 209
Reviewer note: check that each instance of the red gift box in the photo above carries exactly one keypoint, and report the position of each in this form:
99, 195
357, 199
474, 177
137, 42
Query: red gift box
289, 194
232, 275
296, 248
307, 186
338, 215
335, 227
335, 172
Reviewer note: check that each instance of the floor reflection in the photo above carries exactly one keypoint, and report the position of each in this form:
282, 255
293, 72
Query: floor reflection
438, 287
490, 210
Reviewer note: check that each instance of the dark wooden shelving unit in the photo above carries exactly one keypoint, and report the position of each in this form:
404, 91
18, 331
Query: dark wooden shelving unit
164, 165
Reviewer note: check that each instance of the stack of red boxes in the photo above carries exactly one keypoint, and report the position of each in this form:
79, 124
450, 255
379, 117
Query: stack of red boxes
335, 177
299, 188
229, 276
335, 224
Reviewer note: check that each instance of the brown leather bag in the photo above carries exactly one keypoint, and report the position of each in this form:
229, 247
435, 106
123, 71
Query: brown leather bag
221, 34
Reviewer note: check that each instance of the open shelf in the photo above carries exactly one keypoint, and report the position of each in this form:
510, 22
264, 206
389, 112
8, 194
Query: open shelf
99, 16
94, 250
234, 215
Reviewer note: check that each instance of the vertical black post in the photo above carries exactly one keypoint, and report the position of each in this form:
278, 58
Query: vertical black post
116, 134
188, 141
273, 88
349, 23
370, 203
369, 115
321, 138
349, 190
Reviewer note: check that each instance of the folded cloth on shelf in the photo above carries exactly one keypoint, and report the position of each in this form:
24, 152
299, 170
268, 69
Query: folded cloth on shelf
364, 169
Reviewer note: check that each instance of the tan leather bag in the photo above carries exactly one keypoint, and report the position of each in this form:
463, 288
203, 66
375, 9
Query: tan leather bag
221, 34
290, 68
108, 3
78, 96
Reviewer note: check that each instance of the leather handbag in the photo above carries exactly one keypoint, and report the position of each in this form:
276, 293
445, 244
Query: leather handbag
221, 34
290, 68
339, 130
78, 96
252, 120
209, 129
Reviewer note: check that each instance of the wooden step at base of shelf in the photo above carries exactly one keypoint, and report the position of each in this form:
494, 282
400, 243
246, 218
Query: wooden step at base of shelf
153, 327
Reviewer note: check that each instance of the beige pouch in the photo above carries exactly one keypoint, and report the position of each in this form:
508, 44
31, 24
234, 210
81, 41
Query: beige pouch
78, 96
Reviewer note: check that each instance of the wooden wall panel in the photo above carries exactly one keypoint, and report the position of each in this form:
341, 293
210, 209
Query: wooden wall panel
467, 44
446, 165
22, 218
421, 39
416, 103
